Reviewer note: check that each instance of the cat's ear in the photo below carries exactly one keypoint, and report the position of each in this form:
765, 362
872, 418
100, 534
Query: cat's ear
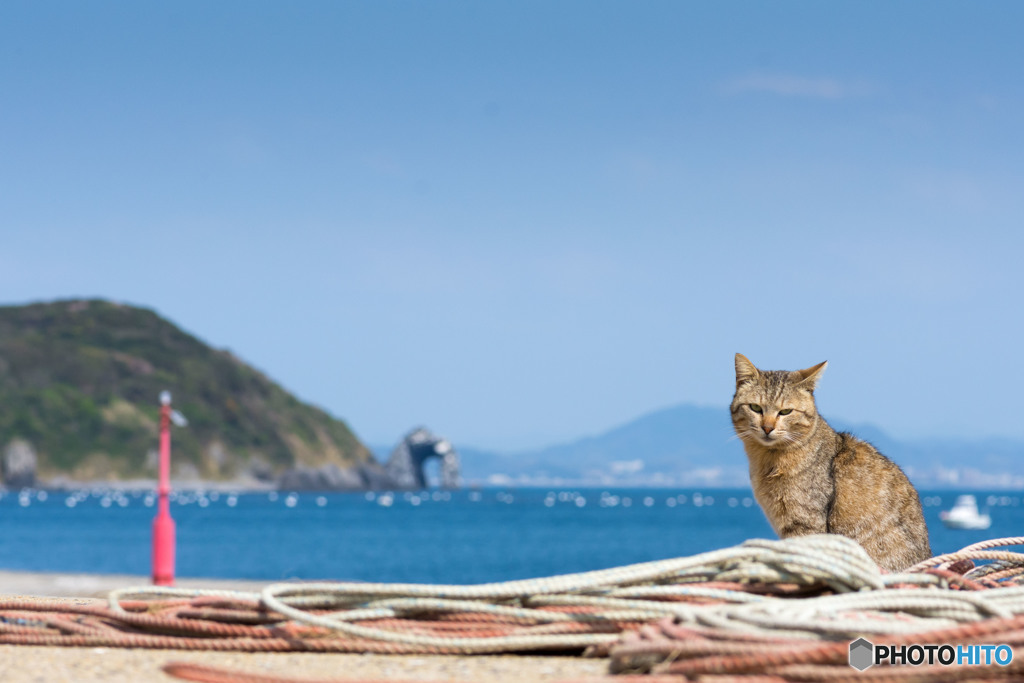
809, 377
745, 370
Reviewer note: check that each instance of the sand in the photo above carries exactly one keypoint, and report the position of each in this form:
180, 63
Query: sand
110, 665
45, 584
118, 665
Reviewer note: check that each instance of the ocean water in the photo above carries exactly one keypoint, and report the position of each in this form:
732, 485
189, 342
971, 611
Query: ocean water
455, 537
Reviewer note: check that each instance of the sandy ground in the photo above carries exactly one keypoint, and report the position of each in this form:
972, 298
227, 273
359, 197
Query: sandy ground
42, 584
115, 665
74, 665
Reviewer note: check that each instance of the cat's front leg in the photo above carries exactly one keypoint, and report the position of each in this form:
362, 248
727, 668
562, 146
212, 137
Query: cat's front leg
803, 526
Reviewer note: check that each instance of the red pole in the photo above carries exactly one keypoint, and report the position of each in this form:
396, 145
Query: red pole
163, 525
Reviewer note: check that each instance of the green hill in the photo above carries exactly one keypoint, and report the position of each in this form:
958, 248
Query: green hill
80, 381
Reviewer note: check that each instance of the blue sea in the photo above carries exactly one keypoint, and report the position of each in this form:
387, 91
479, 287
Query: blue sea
460, 537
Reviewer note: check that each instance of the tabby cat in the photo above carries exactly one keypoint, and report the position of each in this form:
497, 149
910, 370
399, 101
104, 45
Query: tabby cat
810, 479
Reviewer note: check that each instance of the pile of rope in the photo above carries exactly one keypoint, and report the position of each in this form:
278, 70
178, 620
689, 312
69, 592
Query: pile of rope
772, 607
809, 639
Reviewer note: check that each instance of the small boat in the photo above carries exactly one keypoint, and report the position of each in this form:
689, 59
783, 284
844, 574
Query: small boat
964, 515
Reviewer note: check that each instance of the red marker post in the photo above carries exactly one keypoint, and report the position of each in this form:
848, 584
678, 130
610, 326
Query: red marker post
163, 525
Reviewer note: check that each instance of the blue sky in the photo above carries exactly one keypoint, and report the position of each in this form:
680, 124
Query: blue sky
524, 222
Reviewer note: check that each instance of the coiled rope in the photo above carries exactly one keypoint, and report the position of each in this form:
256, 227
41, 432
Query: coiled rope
591, 608
784, 603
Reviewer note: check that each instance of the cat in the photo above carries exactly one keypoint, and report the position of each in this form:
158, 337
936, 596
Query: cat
810, 479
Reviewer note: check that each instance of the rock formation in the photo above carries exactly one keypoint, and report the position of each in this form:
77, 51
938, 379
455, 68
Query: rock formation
19, 465
405, 466
403, 471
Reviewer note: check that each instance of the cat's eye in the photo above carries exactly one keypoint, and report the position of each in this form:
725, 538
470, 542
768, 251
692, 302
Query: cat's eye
787, 411
756, 408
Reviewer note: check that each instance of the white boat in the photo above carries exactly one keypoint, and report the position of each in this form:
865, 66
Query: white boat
964, 515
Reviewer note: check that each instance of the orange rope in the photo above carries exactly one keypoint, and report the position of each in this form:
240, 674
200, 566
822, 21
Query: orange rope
203, 673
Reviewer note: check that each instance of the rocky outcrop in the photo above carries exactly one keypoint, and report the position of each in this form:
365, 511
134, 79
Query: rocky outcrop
18, 465
403, 471
330, 477
405, 466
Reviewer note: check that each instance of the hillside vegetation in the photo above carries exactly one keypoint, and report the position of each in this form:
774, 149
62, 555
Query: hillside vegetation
80, 381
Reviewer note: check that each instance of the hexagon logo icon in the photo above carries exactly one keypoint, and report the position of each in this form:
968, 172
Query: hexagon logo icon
862, 654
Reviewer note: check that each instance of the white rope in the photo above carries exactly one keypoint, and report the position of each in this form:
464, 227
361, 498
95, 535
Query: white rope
865, 600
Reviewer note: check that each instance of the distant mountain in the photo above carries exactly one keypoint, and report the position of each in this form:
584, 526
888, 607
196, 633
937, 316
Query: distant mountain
688, 445
79, 383
682, 445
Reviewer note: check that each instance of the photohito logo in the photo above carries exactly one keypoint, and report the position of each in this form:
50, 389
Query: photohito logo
864, 654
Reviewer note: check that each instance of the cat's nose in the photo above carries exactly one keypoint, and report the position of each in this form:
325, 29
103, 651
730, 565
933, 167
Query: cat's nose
768, 429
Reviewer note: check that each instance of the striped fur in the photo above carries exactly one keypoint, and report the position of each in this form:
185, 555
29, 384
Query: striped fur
810, 479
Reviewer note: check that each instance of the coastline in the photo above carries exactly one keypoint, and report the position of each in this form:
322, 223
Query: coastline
97, 586
240, 485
